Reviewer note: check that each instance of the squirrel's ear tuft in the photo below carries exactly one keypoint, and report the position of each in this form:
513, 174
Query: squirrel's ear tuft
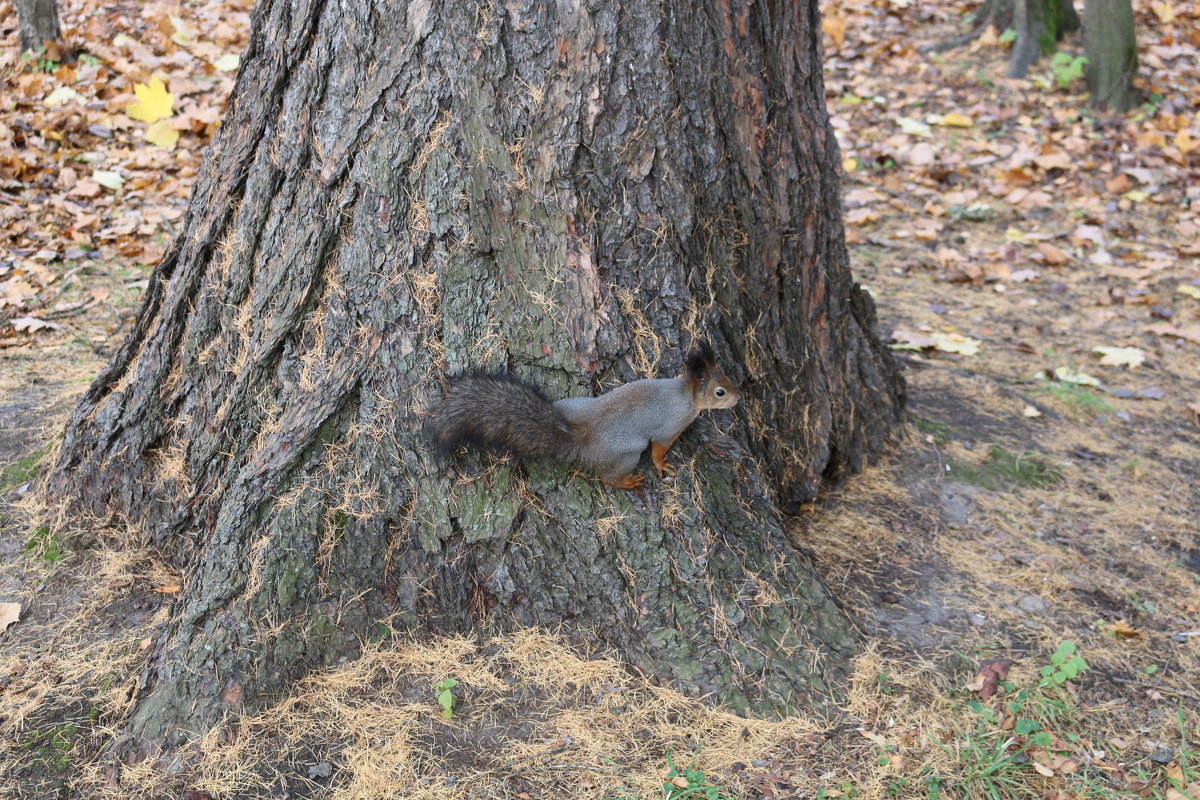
701, 359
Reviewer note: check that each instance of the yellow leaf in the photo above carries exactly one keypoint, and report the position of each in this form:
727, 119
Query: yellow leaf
836, 28
154, 102
850, 164
1190, 291
107, 179
956, 343
228, 62
61, 95
1119, 356
1135, 195
1082, 378
1165, 12
185, 34
1042, 769
1185, 142
957, 120
1123, 628
162, 134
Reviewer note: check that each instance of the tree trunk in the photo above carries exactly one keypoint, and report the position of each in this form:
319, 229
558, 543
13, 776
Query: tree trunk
997, 14
38, 23
1111, 49
400, 192
1040, 25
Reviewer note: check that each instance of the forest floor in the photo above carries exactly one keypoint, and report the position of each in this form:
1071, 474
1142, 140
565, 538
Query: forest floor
1025, 563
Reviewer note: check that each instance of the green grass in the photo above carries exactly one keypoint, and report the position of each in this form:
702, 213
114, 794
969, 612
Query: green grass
46, 545
940, 431
1079, 402
1004, 470
51, 748
23, 469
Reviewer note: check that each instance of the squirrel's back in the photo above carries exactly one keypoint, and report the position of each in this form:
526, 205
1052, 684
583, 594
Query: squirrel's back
499, 410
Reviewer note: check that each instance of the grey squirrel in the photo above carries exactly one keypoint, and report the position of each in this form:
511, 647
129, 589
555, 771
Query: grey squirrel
605, 434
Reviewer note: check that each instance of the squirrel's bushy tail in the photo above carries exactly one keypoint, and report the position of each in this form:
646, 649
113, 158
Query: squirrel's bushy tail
499, 411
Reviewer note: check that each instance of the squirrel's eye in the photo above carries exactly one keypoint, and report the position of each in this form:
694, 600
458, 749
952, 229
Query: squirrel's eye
719, 392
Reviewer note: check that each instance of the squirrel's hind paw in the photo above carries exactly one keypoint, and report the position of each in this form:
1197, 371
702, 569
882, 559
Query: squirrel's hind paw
630, 482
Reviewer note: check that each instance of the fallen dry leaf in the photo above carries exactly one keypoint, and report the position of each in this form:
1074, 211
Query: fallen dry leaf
154, 102
990, 674
1191, 333
1071, 376
1120, 356
1123, 629
32, 325
9, 613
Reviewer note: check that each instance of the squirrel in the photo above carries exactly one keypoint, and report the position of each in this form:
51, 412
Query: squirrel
605, 434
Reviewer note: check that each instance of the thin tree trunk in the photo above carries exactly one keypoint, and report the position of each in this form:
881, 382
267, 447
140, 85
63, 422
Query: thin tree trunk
37, 21
405, 190
1111, 48
1040, 25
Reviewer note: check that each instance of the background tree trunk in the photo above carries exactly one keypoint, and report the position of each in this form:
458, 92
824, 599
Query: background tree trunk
37, 21
1111, 48
1040, 25
402, 190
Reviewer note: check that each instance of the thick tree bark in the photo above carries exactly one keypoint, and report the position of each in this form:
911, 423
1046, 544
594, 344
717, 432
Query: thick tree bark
37, 21
1040, 25
403, 190
1111, 48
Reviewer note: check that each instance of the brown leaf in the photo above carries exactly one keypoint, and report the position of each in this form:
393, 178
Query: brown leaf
1191, 333
168, 588
991, 672
9, 613
1118, 184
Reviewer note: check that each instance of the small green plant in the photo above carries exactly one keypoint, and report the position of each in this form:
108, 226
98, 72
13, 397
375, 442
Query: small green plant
1142, 603
89, 60
1033, 720
1064, 665
1009, 36
46, 545
845, 790
37, 59
1066, 68
684, 784
445, 697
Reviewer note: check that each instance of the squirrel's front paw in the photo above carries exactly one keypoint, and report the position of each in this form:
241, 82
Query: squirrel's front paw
666, 469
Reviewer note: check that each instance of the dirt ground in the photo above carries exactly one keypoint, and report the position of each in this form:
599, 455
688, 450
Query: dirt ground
1024, 520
